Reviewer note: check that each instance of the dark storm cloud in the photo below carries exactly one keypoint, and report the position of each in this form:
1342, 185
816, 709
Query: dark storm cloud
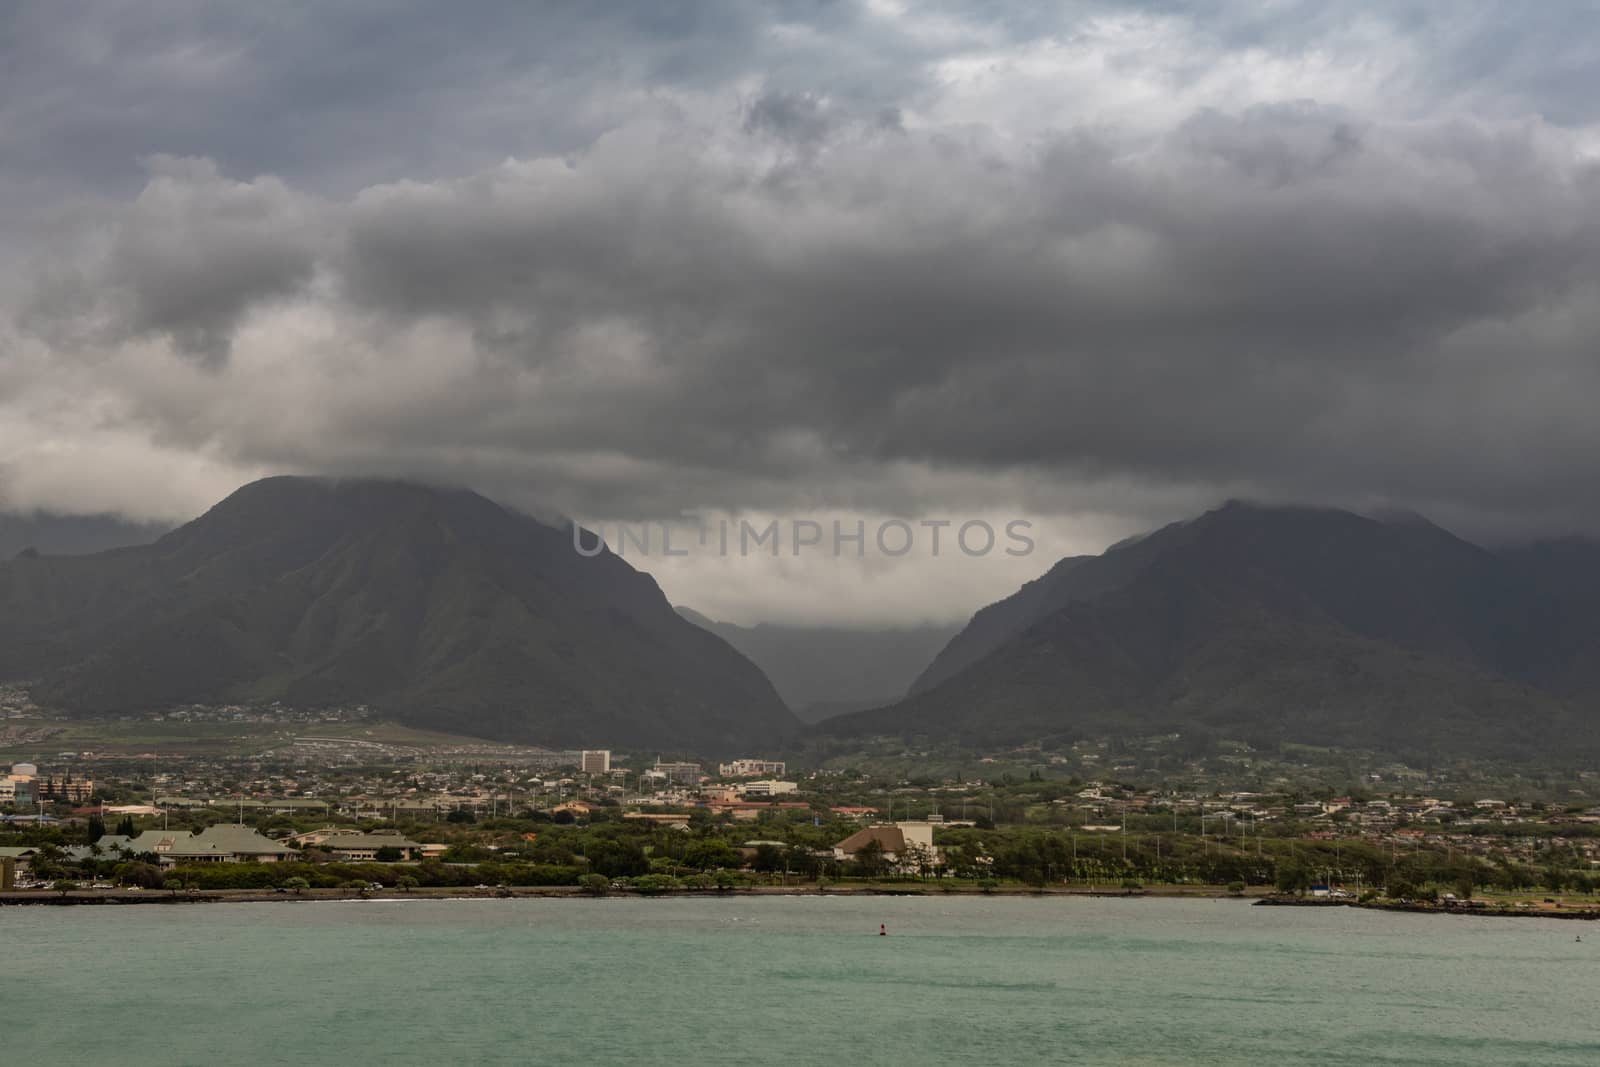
635, 259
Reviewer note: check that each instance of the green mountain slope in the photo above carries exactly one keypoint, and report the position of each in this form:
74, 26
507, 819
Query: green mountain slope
1275, 624
438, 606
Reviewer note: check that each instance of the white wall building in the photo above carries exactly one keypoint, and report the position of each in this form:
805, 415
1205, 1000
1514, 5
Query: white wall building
768, 788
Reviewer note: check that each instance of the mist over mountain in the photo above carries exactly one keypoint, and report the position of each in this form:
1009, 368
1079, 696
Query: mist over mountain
436, 606
1282, 624
51, 534
823, 671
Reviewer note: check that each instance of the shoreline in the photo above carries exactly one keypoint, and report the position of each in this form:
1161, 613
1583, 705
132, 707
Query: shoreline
117, 897
1424, 908
122, 897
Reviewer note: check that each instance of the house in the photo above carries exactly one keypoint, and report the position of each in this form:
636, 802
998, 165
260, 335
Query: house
133, 809
228, 843
670, 820
577, 808
750, 810
365, 847
222, 843
18, 857
298, 805
901, 844
853, 812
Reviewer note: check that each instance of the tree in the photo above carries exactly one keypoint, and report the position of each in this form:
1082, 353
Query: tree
297, 885
1291, 877
143, 875
64, 886
595, 885
917, 860
1400, 888
710, 854
125, 827
869, 859
388, 854
405, 883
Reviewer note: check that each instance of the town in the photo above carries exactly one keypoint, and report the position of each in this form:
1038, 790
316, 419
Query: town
332, 815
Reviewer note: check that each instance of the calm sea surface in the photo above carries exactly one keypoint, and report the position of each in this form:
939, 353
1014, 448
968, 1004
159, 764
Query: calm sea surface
791, 980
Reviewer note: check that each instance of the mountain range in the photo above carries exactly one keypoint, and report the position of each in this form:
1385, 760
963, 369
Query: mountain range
822, 671
442, 609
1273, 624
436, 606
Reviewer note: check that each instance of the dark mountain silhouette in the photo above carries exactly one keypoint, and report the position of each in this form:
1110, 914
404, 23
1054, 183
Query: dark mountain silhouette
822, 671
1281, 624
437, 606
50, 534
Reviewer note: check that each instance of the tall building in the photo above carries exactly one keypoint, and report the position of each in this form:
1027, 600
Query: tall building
596, 761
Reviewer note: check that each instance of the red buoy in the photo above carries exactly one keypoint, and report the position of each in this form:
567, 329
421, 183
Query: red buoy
882, 930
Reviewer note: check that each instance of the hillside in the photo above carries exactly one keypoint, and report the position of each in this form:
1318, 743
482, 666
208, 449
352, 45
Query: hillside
437, 606
1274, 624
823, 671
50, 534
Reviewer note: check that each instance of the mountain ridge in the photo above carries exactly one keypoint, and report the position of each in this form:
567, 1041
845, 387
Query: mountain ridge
1308, 624
434, 604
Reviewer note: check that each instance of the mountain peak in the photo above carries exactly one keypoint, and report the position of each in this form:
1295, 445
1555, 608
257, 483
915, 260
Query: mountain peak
1291, 623
433, 604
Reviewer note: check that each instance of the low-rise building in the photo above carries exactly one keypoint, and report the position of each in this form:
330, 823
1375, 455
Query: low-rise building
680, 773
675, 821
18, 859
903, 846
63, 788
368, 847
746, 768
222, 843
768, 788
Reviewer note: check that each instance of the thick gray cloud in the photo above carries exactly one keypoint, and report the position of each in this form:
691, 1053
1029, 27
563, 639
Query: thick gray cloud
1099, 267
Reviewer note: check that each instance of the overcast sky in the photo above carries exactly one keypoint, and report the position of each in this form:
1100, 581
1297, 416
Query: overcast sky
1099, 265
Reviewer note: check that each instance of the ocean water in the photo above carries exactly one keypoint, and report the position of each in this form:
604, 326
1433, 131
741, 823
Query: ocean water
791, 980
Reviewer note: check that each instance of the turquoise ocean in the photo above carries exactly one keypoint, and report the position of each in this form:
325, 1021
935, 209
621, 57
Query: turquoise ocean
792, 980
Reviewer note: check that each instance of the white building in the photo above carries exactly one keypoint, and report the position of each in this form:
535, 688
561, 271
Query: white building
768, 788
595, 761
746, 768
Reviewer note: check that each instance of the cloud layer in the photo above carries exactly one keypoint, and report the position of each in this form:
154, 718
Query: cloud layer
1098, 270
